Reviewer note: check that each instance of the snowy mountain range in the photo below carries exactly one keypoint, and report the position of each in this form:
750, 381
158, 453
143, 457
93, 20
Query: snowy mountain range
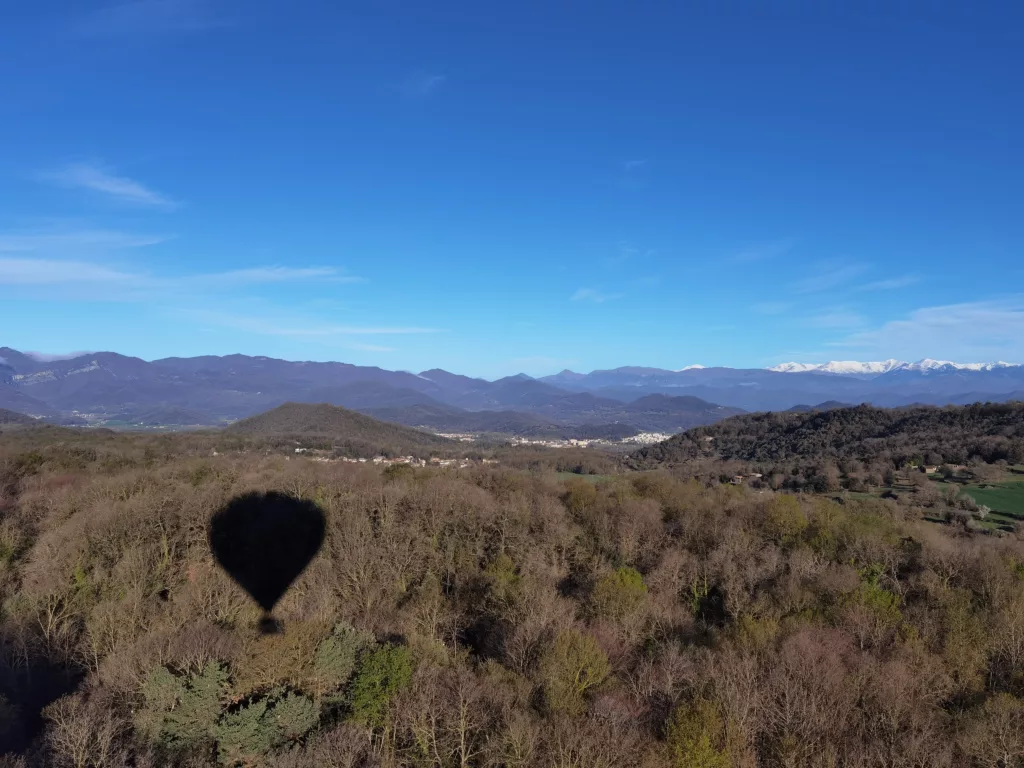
210, 390
853, 367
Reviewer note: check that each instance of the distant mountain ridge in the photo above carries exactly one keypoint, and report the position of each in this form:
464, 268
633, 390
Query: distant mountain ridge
888, 383
885, 366
211, 390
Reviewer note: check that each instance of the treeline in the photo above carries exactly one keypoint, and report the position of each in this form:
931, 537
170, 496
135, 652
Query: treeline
493, 617
988, 432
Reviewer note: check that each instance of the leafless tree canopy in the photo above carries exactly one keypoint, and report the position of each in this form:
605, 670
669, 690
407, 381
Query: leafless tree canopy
496, 616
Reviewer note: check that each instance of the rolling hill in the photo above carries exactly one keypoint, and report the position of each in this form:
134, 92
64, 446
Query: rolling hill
952, 434
354, 431
8, 418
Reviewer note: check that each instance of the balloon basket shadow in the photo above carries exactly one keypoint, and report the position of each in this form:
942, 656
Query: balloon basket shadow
268, 625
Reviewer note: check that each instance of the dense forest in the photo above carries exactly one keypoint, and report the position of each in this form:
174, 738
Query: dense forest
858, 448
495, 616
954, 434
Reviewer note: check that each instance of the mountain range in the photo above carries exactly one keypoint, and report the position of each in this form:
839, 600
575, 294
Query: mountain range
106, 387
109, 388
854, 368
889, 383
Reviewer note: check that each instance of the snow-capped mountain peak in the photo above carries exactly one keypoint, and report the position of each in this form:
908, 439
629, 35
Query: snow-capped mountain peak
853, 367
795, 367
695, 367
849, 367
932, 365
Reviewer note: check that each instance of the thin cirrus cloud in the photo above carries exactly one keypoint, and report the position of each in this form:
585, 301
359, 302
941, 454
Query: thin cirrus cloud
104, 282
421, 84
772, 307
593, 295
303, 329
144, 19
629, 166
828, 278
891, 284
764, 251
50, 272
77, 241
838, 318
283, 274
97, 178
970, 331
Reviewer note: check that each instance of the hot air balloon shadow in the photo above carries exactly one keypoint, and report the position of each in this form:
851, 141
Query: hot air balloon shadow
265, 541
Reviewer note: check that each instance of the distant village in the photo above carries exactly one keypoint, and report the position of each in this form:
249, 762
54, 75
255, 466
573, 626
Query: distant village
643, 438
411, 461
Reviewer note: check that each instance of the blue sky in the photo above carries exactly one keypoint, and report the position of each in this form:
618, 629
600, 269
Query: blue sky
493, 188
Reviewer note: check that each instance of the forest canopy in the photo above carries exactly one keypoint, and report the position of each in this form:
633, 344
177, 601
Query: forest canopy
955, 434
501, 615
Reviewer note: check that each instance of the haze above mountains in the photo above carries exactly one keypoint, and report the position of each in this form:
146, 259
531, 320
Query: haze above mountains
104, 387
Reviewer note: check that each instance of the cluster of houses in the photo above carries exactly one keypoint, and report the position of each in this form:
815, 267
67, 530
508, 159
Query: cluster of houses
552, 443
411, 461
462, 437
931, 469
741, 479
646, 438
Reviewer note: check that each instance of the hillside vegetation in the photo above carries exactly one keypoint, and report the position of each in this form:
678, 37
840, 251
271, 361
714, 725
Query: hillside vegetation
491, 618
955, 434
8, 417
345, 429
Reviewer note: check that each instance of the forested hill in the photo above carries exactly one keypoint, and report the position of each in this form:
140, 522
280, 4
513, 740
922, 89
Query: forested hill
343, 427
953, 434
8, 417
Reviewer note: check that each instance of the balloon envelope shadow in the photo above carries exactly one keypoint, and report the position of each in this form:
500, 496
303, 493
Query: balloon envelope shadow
265, 541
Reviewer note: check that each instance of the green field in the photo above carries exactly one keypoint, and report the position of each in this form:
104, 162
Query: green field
1006, 498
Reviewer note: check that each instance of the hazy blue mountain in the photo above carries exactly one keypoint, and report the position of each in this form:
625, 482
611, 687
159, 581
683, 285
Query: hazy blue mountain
213, 389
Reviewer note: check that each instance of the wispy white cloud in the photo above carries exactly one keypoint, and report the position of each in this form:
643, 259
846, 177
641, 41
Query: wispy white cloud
838, 317
767, 250
368, 347
283, 274
301, 328
100, 281
627, 251
593, 295
628, 166
76, 241
771, 307
891, 283
645, 281
96, 177
421, 84
982, 330
828, 277
144, 19
18, 271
